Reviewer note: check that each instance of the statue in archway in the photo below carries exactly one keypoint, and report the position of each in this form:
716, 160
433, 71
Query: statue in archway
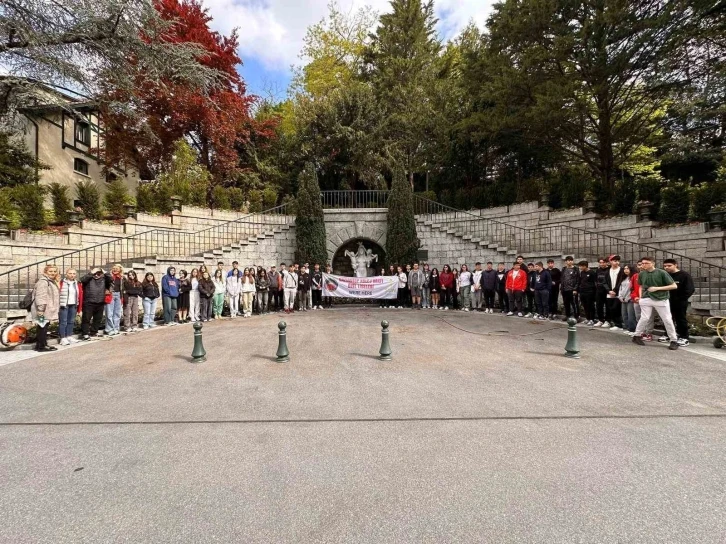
361, 260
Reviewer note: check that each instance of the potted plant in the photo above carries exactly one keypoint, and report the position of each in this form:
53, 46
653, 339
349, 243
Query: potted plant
130, 209
645, 209
75, 216
176, 202
715, 216
544, 195
4, 226
589, 202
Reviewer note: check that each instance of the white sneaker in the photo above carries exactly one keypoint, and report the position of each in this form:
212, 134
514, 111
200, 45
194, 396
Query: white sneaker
598, 324
446, 307
605, 325
64, 342
72, 339
614, 328
664, 340
528, 315
519, 314
683, 342
466, 309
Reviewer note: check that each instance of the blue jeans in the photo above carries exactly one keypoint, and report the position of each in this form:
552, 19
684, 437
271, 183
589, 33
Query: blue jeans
114, 309
67, 318
149, 311
627, 310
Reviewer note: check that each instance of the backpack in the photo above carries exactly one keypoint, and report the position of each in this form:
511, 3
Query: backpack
27, 302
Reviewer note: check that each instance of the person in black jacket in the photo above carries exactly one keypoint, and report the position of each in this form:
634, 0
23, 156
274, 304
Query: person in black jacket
586, 291
501, 286
488, 286
679, 299
95, 286
131, 293
150, 293
206, 292
601, 293
613, 279
556, 276
542, 283
531, 277
570, 282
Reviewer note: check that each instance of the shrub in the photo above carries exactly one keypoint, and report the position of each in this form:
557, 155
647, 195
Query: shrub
61, 202
220, 198
184, 177
401, 241
310, 221
116, 198
623, 200
269, 198
89, 199
430, 195
236, 198
146, 198
291, 203
704, 197
255, 198
675, 203
8, 209
29, 202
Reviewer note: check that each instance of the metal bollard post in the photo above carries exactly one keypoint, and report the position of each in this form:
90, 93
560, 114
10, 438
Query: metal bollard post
385, 350
572, 350
199, 355
283, 355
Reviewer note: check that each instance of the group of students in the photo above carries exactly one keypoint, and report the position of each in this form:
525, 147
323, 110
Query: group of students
612, 296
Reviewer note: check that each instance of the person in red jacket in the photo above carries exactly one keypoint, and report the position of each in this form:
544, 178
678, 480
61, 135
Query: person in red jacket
516, 286
446, 286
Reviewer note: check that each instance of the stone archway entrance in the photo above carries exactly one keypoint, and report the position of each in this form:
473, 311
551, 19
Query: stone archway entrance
341, 264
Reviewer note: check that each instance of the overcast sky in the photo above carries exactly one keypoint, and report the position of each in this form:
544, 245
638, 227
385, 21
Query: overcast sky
271, 31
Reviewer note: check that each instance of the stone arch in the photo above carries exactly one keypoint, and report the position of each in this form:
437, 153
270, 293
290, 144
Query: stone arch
358, 230
341, 264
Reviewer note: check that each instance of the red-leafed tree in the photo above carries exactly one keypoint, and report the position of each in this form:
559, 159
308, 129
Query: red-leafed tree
215, 120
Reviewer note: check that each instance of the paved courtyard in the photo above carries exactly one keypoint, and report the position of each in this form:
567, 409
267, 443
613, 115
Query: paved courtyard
479, 430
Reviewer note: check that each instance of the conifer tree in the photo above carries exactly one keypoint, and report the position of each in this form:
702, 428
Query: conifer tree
310, 222
401, 240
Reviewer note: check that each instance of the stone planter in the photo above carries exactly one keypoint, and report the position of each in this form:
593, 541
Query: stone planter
130, 210
544, 197
4, 226
715, 219
74, 218
176, 203
589, 204
645, 210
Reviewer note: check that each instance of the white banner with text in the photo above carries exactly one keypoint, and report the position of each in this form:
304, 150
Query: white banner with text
375, 287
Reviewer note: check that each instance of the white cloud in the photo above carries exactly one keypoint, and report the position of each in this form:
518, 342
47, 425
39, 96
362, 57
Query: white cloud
272, 31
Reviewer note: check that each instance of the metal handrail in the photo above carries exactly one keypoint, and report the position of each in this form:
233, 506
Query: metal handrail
14, 282
354, 199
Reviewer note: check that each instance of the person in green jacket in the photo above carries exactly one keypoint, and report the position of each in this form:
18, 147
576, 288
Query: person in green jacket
655, 285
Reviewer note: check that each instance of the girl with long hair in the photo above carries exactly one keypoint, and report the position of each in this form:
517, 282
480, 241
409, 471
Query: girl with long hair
150, 294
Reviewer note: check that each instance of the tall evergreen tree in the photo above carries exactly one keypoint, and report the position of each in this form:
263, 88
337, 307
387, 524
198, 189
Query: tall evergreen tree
310, 222
401, 240
401, 64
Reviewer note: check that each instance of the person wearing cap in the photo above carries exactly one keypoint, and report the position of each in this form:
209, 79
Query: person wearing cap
95, 285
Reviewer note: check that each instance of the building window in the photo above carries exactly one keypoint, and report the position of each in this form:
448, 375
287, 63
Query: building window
83, 133
80, 166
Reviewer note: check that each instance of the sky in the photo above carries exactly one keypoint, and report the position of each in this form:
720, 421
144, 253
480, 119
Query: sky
271, 31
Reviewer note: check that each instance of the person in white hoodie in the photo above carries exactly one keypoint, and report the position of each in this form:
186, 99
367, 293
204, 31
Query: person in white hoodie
248, 291
233, 290
464, 287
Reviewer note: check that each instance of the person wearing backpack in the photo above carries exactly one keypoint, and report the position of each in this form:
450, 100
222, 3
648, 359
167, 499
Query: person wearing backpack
71, 302
45, 307
95, 286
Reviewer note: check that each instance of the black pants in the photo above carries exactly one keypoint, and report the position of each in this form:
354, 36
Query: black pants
277, 299
554, 298
614, 312
530, 301
542, 298
445, 298
317, 298
205, 308
401, 301
41, 337
570, 302
678, 312
489, 298
503, 299
92, 319
515, 301
601, 298
328, 302
588, 305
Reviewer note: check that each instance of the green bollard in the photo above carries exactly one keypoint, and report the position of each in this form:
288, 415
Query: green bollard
385, 350
283, 355
572, 350
199, 355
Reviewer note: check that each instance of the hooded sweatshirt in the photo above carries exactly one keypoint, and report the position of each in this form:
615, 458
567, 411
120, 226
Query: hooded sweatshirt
170, 284
489, 280
94, 289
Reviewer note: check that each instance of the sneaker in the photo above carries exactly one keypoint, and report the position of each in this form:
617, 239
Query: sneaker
85, 338
73, 339
648, 337
598, 324
510, 313
466, 309
145, 327
47, 348
626, 331
638, 340
664, 340
519, 314
683, 342
527, 316
673, 346
615, 328
99, 334
446, 307
64, 342
605, 325
631, 334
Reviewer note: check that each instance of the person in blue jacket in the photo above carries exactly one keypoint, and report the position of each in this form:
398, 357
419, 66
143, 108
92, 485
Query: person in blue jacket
169, 294
542, 285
